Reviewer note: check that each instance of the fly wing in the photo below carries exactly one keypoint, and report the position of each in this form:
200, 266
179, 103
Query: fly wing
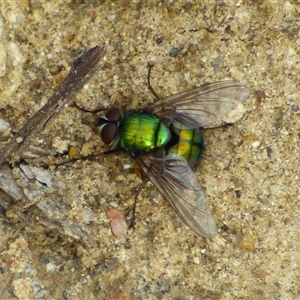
200, 106
176, 181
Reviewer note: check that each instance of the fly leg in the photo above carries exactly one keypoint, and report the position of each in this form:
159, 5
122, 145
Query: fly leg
150, 66
94, 111
142, 175
89, 157
133, 210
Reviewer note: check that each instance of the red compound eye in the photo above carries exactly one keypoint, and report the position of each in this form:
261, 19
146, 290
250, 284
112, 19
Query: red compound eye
113, 115
108, 133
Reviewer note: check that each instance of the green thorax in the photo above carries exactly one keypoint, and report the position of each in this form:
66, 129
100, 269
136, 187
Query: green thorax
143, 132
190, 144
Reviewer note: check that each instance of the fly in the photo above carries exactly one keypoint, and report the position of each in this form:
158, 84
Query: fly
165, 140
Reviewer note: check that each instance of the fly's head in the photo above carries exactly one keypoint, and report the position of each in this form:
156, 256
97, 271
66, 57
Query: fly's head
109, 126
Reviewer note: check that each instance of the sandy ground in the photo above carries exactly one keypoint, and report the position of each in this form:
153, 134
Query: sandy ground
65, 248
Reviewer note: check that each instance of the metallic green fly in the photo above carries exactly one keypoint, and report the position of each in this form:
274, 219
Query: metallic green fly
166, 141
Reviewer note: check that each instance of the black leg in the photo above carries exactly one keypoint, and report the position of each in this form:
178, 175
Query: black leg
137, 192
87, 110
150, 66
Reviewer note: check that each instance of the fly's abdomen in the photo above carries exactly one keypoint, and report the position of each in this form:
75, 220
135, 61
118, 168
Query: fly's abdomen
143, 132
190, 145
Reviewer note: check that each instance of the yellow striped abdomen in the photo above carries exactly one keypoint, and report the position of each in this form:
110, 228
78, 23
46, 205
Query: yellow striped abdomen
190, 145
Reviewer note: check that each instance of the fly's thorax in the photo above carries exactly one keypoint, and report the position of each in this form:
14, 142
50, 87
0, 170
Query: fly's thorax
109, 126
190, 144
143, 132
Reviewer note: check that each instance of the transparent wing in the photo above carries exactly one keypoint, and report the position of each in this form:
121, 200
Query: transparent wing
200, 106
176, 181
